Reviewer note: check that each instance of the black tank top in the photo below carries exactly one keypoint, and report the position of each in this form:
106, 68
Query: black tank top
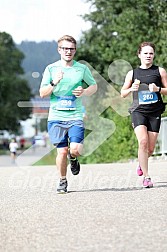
147, 76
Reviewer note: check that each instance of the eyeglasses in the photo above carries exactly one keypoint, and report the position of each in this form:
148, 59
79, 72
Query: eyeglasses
66, 49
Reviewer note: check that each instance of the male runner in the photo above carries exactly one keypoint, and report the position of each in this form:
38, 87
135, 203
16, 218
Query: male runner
62, 81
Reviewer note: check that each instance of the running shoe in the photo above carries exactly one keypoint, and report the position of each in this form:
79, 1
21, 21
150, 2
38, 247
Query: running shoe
62, 186
75, 165
147, 183
139, 171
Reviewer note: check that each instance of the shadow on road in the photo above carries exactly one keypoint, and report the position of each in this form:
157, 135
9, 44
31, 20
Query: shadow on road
162, 185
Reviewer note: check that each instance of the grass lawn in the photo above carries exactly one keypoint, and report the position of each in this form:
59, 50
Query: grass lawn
49, 159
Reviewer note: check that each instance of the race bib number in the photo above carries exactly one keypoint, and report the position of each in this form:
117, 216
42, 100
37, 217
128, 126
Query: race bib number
66, 103
147, 97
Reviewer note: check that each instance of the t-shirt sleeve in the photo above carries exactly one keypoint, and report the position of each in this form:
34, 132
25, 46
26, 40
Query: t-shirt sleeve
46, 77
88, 77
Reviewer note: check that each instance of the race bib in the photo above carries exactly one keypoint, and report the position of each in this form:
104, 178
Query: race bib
147, 97
66, 102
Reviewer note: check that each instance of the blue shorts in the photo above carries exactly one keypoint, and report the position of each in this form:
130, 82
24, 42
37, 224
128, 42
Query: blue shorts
61, 133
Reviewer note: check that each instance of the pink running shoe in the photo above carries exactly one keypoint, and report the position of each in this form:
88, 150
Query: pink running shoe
147, 183
139, 171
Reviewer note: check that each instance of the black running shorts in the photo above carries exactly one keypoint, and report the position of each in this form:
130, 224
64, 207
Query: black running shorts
152, 120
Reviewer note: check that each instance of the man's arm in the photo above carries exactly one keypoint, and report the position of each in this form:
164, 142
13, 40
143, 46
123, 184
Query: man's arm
47, 89
89, 90
80, 91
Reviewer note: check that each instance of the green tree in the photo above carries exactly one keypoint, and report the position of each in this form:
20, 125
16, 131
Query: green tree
117, 29
13, 88
43, 124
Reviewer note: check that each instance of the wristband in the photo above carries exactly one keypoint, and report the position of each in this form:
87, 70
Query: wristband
52, 83
159, 89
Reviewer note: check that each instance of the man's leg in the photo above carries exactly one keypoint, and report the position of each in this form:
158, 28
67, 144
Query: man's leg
76, 149
76, 137
59, 138
74, 152
61, 163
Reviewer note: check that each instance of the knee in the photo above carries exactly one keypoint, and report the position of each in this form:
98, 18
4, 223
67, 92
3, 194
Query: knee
74, 151
150, 151
143, 144
62, 152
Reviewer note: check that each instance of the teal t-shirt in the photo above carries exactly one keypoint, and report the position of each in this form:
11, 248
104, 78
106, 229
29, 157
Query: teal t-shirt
64, 106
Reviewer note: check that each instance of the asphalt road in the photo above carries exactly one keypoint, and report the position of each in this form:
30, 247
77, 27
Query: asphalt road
106, 209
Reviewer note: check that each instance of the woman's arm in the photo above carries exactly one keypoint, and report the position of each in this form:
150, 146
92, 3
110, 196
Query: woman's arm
163, 74
128, 86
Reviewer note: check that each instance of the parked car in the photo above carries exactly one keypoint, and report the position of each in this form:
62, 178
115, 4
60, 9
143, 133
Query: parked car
39, 141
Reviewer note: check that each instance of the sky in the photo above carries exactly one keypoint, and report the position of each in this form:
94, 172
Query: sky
42, 20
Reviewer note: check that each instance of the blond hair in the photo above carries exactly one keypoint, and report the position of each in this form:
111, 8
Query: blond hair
67, 38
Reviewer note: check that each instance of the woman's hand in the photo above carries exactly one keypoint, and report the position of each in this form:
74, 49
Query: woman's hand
135, 85
153, 88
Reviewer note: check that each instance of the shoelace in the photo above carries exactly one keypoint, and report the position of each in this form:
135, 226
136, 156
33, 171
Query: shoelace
73, 159
147, 178
63, 181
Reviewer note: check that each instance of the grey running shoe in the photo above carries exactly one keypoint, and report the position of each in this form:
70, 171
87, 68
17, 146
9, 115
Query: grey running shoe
62, 186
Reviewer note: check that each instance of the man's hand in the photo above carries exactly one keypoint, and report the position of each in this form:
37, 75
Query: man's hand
58, 78
78, 91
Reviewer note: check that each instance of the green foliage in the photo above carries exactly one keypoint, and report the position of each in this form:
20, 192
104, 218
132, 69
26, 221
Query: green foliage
43, 124
118, 27
121, 145
49, 159
13, 88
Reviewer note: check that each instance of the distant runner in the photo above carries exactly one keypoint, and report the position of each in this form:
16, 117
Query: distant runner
13, 146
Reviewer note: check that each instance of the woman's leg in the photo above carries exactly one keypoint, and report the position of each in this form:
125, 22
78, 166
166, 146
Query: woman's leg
143, 143
146, 142
152, 138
